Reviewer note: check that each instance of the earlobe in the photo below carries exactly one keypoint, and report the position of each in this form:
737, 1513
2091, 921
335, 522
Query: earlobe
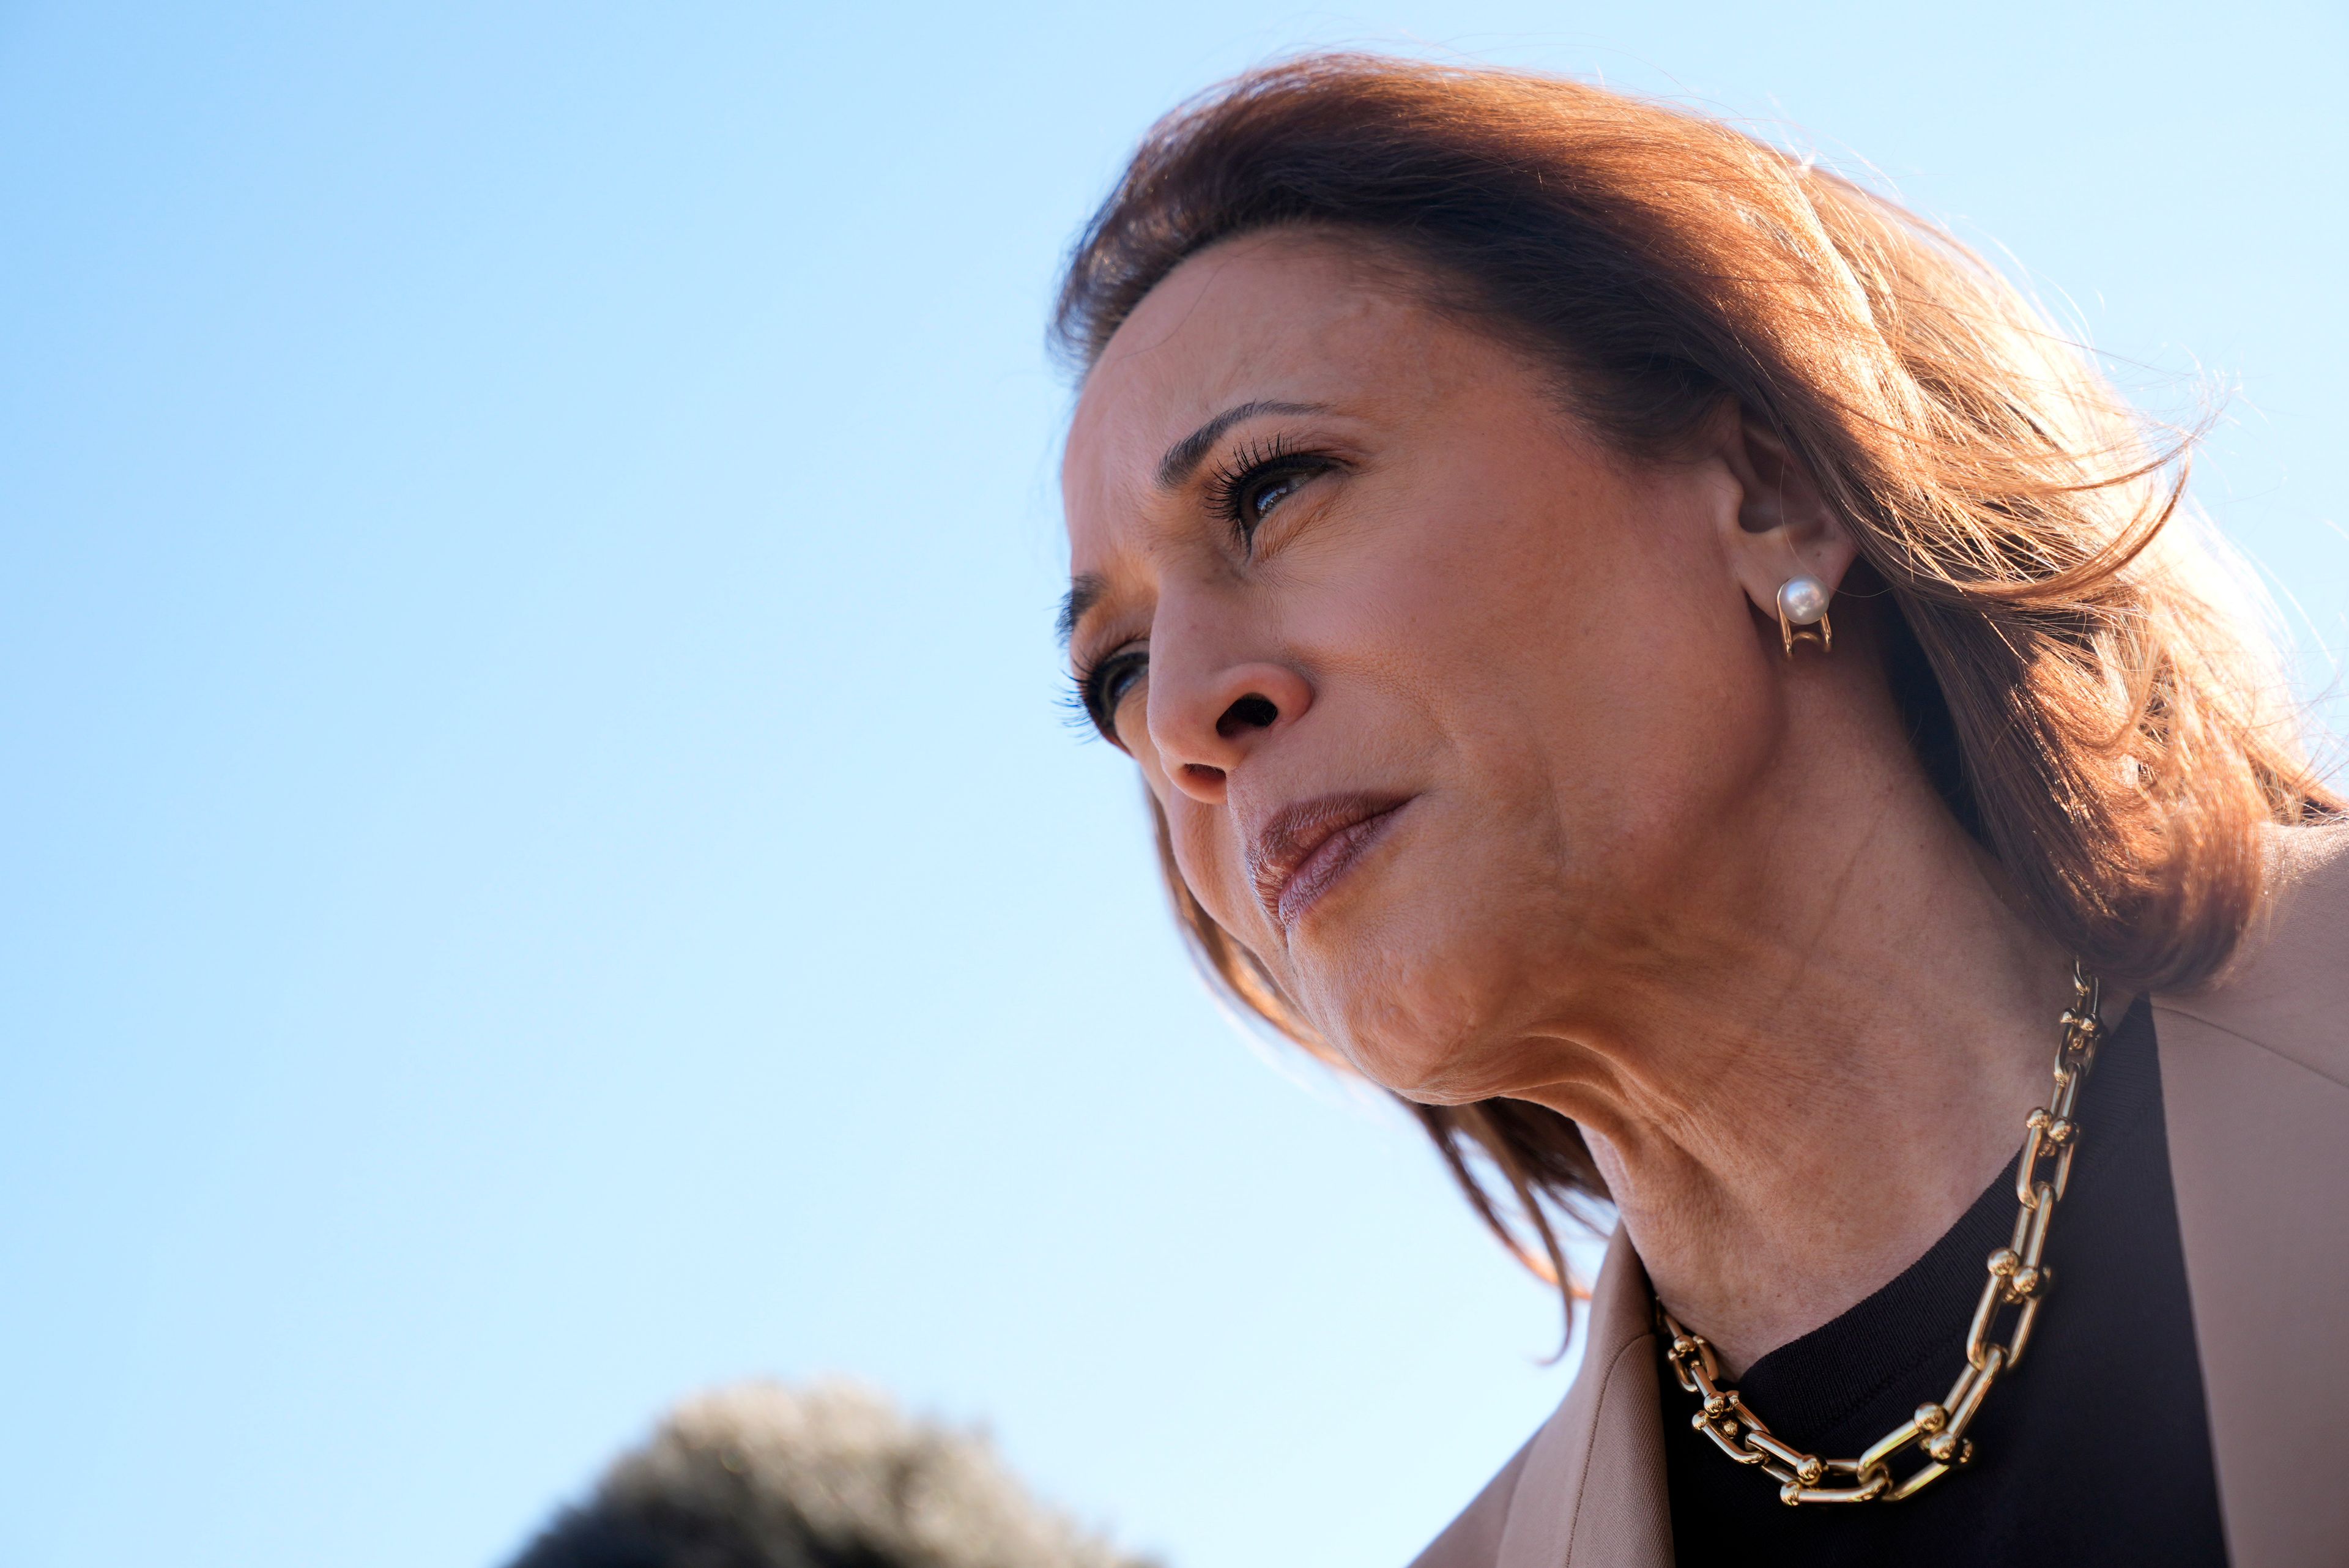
1788, 548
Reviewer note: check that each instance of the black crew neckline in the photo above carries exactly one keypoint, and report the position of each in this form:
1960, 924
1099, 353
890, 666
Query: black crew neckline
2096, 1450
1911, 1330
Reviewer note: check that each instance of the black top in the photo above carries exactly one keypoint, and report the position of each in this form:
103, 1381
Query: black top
2096, 1450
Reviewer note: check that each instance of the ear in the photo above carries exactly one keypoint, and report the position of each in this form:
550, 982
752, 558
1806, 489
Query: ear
1781, 527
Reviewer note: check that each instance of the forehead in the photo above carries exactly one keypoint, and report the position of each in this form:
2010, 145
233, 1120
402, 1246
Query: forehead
1274, 317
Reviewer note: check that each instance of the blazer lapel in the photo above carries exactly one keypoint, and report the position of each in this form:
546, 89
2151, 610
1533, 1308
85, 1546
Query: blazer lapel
1591, 1494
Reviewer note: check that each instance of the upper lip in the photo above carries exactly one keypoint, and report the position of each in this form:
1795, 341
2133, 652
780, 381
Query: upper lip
1291, 835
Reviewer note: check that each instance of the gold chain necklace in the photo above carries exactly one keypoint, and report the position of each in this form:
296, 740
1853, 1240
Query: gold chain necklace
2017, 1279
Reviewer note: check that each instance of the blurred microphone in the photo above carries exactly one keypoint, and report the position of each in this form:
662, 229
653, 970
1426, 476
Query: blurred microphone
759, 1475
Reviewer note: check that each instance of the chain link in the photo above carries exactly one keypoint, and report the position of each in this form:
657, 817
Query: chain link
2019, 1277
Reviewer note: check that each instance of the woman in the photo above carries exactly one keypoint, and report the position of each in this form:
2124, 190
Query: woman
1658, 659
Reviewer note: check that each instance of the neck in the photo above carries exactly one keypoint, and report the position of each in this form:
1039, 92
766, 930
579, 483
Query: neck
1799, 1089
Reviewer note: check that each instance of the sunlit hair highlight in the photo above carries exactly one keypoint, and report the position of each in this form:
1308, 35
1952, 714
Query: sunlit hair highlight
2079, 673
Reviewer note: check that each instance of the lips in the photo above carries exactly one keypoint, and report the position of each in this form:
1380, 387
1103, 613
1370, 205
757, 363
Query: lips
1303, 851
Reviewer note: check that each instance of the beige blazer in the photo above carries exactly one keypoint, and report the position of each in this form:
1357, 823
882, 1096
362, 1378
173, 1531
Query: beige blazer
2255, 1089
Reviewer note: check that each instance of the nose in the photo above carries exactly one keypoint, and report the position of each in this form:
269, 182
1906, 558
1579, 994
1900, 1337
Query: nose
1203, 724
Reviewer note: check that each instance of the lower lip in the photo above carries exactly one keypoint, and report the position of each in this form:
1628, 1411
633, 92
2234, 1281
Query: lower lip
1330, 860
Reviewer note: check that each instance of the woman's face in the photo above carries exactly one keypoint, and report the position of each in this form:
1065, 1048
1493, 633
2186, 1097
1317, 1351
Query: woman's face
1453, 712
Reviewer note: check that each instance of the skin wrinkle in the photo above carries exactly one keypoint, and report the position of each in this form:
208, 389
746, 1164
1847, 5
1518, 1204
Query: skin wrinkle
1651, 874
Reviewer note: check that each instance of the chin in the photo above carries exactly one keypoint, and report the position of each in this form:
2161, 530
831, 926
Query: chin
1427, 1013
1430, 974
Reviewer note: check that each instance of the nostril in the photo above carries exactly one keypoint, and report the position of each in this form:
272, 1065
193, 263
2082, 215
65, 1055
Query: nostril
1202, 775
1253, 712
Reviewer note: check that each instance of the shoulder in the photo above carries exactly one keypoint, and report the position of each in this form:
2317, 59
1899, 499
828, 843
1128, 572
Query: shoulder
2255, 1090
2287, 990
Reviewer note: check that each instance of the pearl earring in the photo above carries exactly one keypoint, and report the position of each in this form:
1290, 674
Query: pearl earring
1802, 602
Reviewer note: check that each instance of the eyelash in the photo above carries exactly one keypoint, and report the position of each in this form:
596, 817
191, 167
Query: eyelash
1084, 700
1228, 487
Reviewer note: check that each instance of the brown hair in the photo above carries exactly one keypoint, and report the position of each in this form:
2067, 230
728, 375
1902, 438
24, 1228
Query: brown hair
2090, 704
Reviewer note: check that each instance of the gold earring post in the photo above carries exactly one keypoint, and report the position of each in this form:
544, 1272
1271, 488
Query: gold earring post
1789, 634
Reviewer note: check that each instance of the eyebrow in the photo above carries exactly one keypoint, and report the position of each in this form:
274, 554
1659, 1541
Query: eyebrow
1085, 590
1183, 459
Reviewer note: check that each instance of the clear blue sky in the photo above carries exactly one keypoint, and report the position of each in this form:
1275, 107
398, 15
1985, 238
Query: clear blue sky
541, 866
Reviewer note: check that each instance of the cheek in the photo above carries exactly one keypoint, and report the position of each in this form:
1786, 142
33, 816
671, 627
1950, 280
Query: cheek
1209, 864
1584, 759
1610, 660
1679, 721
1199, 840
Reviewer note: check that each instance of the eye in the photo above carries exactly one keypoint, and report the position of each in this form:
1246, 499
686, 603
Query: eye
1262, 495
1103, 687
1258, 480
